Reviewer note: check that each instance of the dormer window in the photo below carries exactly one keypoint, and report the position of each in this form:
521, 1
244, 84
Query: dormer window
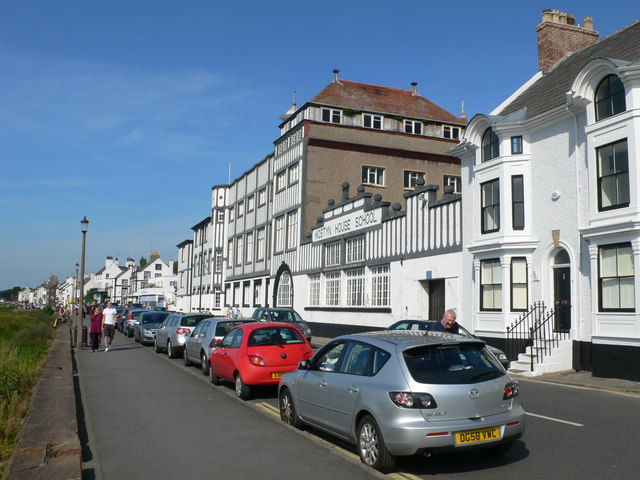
451, 132
372, 121
490, 145
332, 116
412, 126
609, 98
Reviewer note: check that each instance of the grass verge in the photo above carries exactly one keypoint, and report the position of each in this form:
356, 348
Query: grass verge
25, 338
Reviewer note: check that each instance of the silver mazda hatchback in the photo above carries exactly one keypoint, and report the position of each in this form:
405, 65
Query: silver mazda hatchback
395, 393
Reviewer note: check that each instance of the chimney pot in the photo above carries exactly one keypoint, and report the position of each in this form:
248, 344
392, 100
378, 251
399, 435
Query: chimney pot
588, 23
335, 75
559, 37
414, 86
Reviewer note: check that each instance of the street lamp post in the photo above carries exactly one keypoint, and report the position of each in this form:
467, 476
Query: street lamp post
84, 223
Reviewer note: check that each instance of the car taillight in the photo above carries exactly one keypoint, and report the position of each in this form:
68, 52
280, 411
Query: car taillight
413, 400
183, 331
256, 360
511, 390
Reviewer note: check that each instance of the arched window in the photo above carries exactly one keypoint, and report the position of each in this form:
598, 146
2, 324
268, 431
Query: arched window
609, 97
284, 297
490, 145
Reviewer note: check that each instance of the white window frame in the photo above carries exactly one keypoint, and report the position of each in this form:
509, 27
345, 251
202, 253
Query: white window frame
251, 201
239, 250
260, 243
491, 285
354, 249
294, 173
332, 254
249, 249
331, 115
372, 175
380, 286
454, 180
281, 181
413, 127
451, 132
292, 229
410, 178
280, 234
332, 283
355, 287
284, 296
262, 197
314, 289
374, 121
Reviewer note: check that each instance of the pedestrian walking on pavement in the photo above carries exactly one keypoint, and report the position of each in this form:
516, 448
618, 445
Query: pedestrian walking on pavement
95, 329
108, 325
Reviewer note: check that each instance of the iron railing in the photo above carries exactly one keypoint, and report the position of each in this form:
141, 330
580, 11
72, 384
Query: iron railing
537, 328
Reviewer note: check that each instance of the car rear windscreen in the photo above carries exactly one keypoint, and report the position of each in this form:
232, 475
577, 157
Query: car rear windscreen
275, 336
192, 321
452, 364
225, 327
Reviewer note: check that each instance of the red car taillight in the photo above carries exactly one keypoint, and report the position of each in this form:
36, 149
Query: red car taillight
183, 331
511, 390
256, 360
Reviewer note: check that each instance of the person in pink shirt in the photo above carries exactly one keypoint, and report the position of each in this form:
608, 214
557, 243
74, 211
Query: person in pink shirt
95, 329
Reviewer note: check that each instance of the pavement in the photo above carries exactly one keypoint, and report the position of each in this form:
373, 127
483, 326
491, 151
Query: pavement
49, 445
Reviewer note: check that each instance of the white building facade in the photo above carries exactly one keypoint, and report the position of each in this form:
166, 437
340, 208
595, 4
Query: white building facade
553, 205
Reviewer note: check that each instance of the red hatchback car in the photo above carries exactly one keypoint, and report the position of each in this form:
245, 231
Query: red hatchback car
257, 354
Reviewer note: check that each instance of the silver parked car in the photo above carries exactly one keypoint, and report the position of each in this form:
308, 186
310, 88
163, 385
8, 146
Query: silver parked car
428, 325
145, 327
395, 393
174, 330
198, 346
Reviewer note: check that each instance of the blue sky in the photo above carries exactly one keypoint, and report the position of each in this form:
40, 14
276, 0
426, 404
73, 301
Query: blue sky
129, 111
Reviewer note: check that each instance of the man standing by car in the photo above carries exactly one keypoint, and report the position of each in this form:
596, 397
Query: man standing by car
108, 325
447, 324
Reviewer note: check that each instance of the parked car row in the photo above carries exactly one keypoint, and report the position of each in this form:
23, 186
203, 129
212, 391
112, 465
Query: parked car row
396, 392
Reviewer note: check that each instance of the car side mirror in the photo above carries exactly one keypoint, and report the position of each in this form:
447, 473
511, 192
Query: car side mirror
304, 365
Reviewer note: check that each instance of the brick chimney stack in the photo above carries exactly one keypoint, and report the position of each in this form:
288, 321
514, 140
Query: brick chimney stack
559, 37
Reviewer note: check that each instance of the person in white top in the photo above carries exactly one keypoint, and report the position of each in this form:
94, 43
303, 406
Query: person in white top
108, 325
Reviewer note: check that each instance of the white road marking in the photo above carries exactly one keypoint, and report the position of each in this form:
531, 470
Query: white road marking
556, 420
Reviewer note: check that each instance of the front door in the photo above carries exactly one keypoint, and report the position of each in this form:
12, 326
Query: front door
436, 299
562, 299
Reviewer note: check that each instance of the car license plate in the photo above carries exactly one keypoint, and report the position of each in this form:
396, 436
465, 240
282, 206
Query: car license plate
474, 436
277, 374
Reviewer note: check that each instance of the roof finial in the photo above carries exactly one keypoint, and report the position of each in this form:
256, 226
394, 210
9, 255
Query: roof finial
294, 105
414, 86
335, 76
463, 115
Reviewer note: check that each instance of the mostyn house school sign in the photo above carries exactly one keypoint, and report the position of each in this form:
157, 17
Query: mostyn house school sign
349, 223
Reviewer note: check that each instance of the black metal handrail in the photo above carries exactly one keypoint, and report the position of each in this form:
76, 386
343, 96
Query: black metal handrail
535, 329
545, 337
519, 332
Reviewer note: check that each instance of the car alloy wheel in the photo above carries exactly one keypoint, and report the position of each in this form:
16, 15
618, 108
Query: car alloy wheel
170, 351
185, 357
243, 390
288, 412
204, 364
371, 446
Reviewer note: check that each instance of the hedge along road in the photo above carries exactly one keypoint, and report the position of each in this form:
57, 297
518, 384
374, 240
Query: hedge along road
145, 418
